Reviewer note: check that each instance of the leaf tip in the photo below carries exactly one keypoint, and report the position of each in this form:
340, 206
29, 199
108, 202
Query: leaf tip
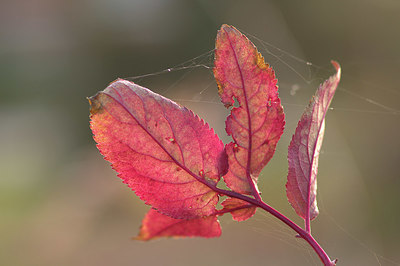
141, 237
226, 26
95, 103
337, 67
138, 238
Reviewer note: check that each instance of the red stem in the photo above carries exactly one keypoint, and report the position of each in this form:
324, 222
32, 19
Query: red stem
307, 223
301, 232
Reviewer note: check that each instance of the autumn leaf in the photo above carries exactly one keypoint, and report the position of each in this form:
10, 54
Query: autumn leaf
304, 149
256, 125
165, 153
174, 161
157, 225
239, 209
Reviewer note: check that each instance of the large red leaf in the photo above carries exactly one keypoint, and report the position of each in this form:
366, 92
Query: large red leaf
157, 225
303, 154
257, 123
161, 150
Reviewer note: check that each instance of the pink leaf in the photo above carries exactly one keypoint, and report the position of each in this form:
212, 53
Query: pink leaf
157, 225
257, 124
239, 209
165, 153
301, 186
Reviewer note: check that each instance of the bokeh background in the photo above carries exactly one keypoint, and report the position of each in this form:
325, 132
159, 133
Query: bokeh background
60, 202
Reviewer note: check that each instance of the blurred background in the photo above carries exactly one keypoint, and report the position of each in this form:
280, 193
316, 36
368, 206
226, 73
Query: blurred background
60, 202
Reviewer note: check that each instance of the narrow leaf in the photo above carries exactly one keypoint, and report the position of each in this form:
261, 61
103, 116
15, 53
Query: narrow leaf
157, 225
161, 150
257, 123
239, 209
304, 149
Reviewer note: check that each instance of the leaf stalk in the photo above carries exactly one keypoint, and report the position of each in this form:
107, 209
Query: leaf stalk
300, 231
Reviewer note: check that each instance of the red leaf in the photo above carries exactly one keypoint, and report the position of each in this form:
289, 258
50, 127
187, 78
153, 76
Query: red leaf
301, 186
161, 150
239, 209
257, 124
157, 225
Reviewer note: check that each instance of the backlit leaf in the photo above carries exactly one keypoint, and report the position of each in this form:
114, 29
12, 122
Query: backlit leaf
162, 151
239, 209
257, 123
304, 149
157, 225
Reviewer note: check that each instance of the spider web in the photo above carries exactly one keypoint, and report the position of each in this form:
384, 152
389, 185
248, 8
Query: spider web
191, 83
